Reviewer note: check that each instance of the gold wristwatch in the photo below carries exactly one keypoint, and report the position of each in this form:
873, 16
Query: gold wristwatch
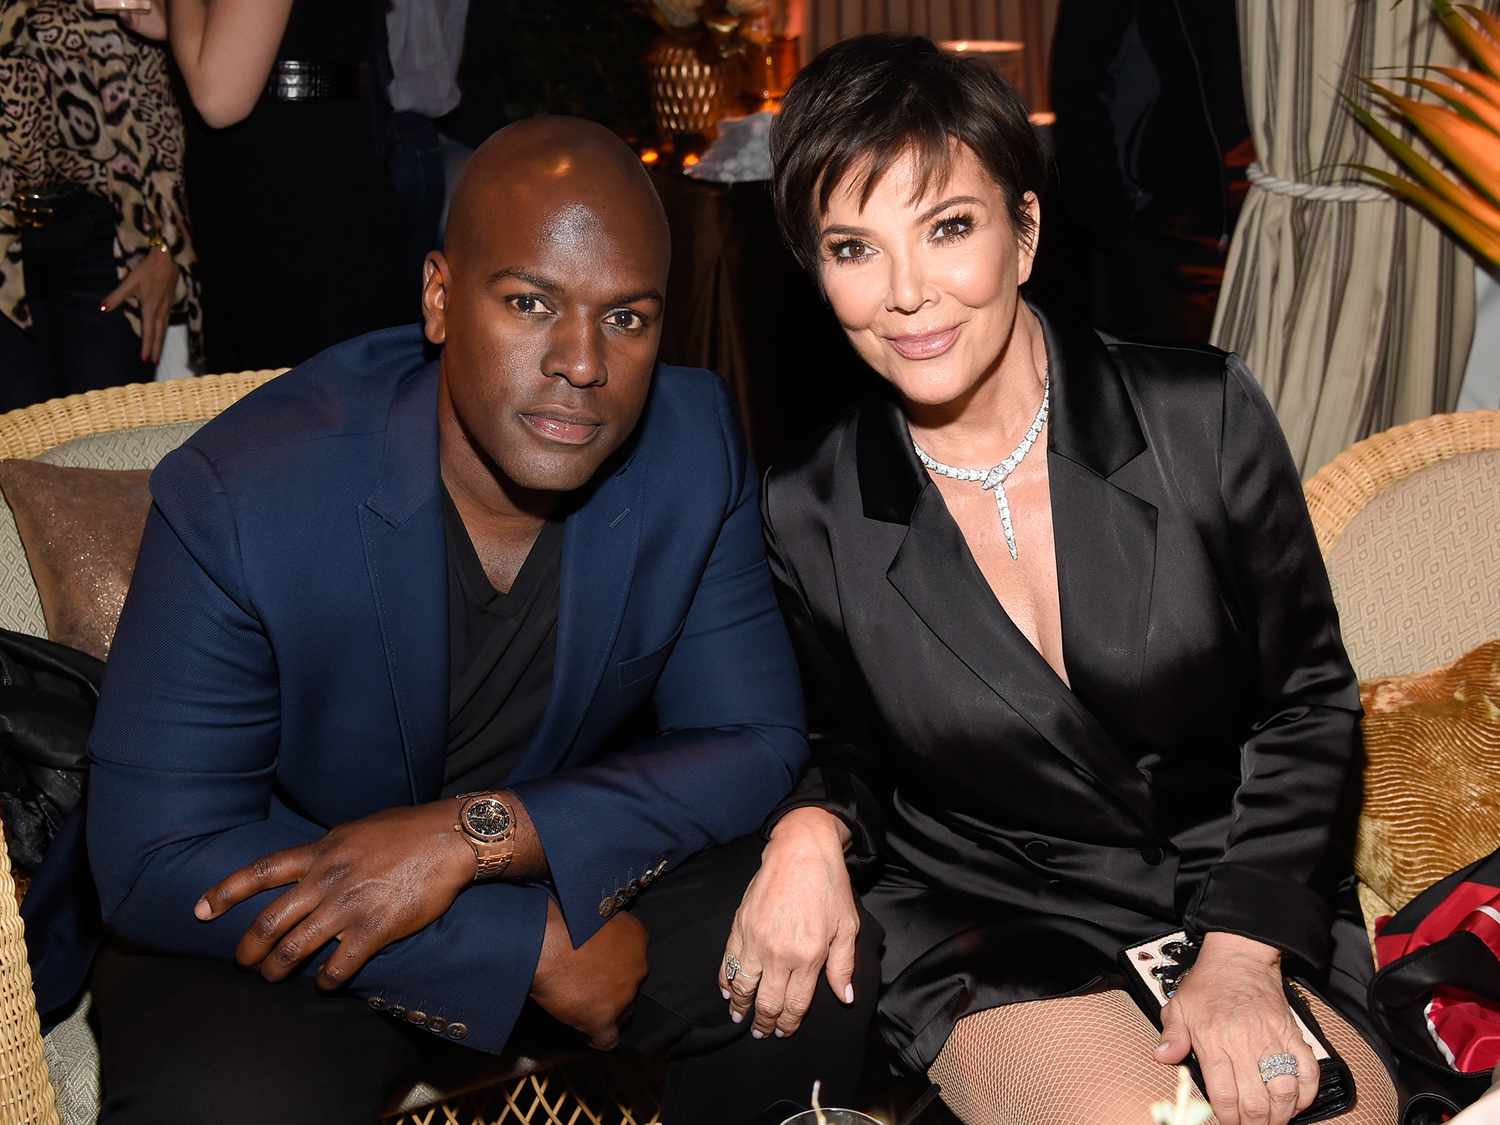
486, 822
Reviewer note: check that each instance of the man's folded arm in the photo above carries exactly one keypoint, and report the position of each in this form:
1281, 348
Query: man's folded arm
733, 733
185, 747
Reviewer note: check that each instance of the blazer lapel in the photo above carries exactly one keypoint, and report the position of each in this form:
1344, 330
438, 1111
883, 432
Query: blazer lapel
402, 526
1105, 535
600, 542
1105, 542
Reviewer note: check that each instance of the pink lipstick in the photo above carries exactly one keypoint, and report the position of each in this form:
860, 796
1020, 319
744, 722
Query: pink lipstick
927, 345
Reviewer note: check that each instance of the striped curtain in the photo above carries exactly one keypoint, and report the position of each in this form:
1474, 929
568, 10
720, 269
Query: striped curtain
1354, 315
825, 22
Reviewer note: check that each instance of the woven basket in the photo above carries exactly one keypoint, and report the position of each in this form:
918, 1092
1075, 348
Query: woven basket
35, 429
25, 1092
1367, 468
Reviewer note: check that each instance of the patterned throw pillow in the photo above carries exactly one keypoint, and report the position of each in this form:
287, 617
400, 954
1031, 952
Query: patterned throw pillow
1432, 774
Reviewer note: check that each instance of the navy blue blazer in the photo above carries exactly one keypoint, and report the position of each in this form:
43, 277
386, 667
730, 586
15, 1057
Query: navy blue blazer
281, 667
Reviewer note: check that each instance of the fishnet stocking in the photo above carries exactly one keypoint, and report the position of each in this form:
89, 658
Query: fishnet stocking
1086, 1060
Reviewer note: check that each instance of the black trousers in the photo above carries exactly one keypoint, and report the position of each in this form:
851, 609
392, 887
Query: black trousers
71, 346
187, 1040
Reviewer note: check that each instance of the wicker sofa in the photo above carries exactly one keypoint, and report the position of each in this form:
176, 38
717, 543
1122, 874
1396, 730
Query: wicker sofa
130, 428
1409, 522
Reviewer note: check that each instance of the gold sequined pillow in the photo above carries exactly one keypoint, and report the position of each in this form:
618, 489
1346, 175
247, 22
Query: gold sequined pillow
81, 529
1432, 774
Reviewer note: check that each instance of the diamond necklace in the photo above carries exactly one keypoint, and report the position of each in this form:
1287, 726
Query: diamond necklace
994, 479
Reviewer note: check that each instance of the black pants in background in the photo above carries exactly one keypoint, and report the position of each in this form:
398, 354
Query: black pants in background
187, 1041
71, 346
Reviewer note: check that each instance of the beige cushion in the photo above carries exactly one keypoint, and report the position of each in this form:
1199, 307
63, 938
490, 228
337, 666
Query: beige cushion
140, 448
1416, 571
1432, 753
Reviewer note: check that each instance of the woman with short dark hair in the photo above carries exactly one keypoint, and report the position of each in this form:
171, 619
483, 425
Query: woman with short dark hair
1073, 662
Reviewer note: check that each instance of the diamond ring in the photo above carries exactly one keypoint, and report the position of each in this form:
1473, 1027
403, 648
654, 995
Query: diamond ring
731, 968
1281, 1065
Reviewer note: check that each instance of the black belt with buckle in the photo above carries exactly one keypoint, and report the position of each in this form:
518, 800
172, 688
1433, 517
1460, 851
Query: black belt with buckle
302, 80
35, 208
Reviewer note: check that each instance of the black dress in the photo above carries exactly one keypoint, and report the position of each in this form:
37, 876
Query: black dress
1012, 834
297, 225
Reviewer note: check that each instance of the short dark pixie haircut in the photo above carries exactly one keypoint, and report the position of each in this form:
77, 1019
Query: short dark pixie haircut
863, 103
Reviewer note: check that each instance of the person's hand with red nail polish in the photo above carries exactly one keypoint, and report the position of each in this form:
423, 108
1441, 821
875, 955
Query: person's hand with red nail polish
151, 284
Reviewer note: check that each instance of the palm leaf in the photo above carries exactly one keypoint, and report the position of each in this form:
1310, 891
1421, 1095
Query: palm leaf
1472, 148
1481, 84
1428, 173
1465, 131
1480, 238
1481, 109
1480, 46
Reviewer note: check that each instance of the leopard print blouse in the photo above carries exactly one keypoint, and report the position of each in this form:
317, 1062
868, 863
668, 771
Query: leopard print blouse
83, 101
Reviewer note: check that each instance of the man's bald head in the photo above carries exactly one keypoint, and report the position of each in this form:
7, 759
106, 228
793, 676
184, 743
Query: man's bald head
537, 166
547, 299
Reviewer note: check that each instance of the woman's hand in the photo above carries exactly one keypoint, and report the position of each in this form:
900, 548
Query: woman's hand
1231, 1011
151, 283
149, 24
797, 916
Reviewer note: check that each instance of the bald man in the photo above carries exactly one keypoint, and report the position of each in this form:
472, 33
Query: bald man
447, 695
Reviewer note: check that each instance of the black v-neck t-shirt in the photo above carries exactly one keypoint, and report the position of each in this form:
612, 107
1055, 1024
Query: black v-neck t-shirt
501, 649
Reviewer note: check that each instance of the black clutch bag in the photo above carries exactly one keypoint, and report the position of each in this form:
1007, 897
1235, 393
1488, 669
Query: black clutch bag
1153, 970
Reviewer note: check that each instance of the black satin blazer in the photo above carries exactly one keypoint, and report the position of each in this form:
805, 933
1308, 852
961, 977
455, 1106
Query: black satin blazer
1011, 834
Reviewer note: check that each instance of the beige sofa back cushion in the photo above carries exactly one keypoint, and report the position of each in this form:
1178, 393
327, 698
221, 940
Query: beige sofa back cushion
141, 448
1416, 573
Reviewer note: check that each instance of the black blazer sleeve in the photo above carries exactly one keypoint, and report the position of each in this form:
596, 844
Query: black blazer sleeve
1302, 742
845, 774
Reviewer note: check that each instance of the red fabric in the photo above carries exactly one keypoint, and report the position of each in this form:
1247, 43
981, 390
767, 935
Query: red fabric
1465, 1029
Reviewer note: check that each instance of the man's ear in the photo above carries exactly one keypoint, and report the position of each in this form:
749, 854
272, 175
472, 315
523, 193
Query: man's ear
436, 278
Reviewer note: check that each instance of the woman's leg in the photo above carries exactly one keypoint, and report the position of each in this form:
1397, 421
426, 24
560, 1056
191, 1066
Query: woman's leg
1082, 1060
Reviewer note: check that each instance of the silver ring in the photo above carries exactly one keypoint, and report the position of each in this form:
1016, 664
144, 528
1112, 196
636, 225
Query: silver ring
1281, 1065
732, 967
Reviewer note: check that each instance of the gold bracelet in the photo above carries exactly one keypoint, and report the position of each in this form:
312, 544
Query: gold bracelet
158, 242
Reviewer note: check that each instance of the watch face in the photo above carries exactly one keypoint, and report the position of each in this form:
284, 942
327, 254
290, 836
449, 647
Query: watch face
487, 818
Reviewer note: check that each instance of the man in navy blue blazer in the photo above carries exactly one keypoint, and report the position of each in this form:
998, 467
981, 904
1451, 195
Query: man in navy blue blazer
451, 691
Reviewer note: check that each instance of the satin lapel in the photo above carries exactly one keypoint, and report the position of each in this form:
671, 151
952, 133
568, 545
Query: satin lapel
1104, 535
402, 527
936, 574
600, 543
1105, 540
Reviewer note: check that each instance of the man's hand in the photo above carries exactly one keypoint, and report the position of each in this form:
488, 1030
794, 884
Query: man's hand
365, 885
591, 988
797, 917
1231, 1011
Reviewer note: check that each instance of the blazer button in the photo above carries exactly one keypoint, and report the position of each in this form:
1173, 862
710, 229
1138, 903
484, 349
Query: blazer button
634, 887
1153, 856
660, 867
415, 1016
621, 900
606, 906
437, 1025
457, 1031
1038, 851
398, 1010
377, 1003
